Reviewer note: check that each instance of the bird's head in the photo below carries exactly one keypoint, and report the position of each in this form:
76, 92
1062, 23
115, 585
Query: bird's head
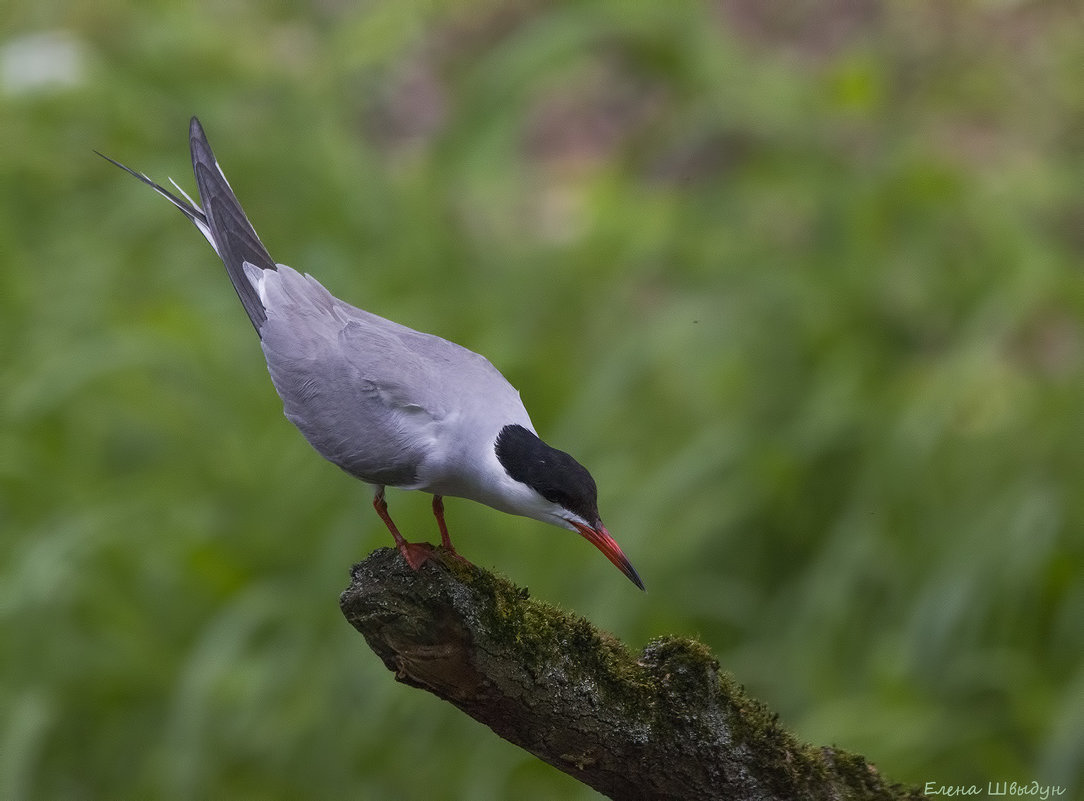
563, 491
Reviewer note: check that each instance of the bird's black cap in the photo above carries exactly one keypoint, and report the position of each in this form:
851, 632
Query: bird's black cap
551, 473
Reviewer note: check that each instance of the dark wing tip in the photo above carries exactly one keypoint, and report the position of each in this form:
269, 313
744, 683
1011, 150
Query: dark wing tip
201, 148
235, 239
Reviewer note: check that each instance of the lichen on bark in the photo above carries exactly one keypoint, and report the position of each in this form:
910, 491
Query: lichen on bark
661, 723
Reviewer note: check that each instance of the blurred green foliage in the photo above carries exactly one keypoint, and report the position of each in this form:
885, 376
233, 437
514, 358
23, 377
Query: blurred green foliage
802, 283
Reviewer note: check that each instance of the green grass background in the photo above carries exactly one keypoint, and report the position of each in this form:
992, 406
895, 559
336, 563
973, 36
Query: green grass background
801, 283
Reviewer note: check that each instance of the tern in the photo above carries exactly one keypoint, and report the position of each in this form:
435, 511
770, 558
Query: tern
391, 406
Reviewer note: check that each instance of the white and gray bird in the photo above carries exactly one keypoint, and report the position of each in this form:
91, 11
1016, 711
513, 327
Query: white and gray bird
391, 406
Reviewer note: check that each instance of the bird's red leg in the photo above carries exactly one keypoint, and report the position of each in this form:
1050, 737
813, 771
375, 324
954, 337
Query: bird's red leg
438, 512
445, 540
415, 553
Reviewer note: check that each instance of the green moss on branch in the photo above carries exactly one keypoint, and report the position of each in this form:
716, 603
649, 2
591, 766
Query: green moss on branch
659, 724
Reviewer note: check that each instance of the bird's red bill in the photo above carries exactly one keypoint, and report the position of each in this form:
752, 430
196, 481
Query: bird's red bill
601, 539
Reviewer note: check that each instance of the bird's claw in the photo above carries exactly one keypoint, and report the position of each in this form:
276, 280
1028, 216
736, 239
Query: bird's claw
415, 553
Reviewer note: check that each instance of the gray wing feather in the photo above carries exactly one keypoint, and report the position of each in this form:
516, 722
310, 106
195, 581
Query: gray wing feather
234, 237
367, 393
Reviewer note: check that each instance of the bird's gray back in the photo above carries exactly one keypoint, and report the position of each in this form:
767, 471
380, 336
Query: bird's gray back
369, 394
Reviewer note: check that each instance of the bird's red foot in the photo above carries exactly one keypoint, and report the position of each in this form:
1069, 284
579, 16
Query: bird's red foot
415, 553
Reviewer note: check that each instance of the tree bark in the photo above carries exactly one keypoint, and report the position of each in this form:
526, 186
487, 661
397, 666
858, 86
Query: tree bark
661, 724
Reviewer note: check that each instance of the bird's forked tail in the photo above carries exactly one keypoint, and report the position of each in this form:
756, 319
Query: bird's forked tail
221, 220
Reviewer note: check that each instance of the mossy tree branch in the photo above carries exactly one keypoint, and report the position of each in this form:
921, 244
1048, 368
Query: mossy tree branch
659, 724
